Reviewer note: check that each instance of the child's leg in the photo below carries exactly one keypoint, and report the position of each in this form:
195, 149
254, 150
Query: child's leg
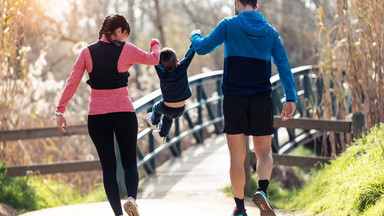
166, 126
156, 113
168, 117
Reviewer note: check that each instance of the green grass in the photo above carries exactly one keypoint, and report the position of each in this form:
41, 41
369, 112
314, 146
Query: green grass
29, 193
353, 184
16, 192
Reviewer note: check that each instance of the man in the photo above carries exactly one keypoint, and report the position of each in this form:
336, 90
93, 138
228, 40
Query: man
249, 45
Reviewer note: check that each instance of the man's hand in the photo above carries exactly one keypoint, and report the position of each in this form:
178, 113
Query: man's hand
194, 32
288, 110
61, 123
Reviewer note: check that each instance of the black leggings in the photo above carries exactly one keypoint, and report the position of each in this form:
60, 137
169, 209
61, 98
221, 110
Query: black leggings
101, 129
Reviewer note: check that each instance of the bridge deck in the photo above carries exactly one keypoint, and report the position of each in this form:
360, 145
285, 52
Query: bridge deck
188, 186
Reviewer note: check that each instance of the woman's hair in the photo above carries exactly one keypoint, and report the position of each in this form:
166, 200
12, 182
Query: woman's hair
168, 59
111, 23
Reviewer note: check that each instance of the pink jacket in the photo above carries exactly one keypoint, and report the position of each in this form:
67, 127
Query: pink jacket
111, 100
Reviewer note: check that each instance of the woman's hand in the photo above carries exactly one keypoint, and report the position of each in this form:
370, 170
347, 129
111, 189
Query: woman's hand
288, 110
61, 123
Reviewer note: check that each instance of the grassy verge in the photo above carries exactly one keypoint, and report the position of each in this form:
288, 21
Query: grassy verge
29, 193
353, 184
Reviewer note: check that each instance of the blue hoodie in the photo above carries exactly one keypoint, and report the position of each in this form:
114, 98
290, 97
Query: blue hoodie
249, 45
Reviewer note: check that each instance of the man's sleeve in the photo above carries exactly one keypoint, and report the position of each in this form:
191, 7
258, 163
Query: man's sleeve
209, 43
280, 58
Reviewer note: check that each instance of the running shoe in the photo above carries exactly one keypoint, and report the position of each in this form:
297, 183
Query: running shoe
149, 120
239, 213
262, 202
161, 140
131, 207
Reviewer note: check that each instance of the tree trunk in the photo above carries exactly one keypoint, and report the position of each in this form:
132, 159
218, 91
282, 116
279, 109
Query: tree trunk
159, 23
132, 21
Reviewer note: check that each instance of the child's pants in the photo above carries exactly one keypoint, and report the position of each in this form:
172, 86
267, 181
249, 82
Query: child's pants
168, 113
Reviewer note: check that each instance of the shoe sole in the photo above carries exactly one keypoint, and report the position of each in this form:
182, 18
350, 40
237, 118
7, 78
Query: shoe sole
131, 209
262, 204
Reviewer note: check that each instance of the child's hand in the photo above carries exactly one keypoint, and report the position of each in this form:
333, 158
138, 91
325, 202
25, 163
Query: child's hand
194, 32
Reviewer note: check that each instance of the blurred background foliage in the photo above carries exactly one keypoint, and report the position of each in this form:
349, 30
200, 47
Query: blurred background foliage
40, 41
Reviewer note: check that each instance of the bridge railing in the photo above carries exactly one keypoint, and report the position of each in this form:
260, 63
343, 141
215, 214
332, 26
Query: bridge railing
195, 123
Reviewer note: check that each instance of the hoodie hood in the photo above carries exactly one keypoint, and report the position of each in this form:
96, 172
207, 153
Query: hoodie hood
253, 23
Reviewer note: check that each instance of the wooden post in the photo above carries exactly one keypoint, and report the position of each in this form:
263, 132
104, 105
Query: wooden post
358, 124
247, 168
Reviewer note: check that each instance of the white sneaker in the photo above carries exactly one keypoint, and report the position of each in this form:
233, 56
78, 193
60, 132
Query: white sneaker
131, 207
158, 138
149, 120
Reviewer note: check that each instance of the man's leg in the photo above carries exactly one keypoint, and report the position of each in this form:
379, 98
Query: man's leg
262, 146
263, 151
237, 151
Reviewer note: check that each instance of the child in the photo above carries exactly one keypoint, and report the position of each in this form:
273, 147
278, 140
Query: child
175, 89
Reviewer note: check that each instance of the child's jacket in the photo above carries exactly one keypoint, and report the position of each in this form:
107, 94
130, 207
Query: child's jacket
174, 84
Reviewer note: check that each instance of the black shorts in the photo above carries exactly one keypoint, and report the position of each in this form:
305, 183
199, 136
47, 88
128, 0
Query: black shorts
251, 115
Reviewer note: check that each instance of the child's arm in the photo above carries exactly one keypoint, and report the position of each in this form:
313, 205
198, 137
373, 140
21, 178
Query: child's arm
184, 64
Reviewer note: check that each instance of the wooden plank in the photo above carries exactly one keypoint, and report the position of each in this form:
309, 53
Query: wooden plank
317, 124
76, 166
42, 133
300, 161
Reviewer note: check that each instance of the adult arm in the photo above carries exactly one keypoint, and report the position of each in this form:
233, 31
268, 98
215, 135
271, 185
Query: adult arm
70, 88
280, 58
133, 54
209, 43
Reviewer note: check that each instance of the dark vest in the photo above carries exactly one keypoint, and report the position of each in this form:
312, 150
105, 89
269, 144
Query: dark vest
104, 74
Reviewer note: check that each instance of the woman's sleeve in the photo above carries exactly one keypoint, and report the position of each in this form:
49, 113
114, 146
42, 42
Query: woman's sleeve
73, 81
133, 54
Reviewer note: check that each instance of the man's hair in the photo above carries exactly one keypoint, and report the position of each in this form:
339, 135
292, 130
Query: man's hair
252, 3
168, 59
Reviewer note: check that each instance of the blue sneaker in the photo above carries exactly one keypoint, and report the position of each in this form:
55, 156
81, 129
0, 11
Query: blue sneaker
239, 213
262, 202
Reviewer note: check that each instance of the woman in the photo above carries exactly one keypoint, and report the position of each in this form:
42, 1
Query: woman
110, 108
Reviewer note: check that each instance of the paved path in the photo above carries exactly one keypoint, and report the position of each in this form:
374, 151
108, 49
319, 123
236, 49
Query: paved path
187, 186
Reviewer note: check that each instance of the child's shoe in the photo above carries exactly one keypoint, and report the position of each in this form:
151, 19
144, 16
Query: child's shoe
131, 207
161, 140
149, 120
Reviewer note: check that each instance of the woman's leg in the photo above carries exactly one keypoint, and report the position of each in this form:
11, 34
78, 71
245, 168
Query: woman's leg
125, 127
101, 132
